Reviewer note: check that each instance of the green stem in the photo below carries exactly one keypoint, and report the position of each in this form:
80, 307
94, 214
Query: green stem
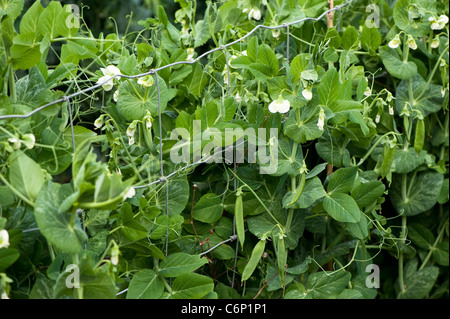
374, 146
400, 258
12, 85
437, 241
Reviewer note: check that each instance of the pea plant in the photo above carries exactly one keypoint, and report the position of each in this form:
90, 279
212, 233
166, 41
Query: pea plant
251, 149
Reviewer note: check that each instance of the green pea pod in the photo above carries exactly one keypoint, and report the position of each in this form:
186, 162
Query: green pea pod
420, 136
388, 157
299, 190
257, 252
239, 216
281, 257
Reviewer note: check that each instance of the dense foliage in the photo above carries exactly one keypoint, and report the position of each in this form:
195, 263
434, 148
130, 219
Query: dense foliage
357, 206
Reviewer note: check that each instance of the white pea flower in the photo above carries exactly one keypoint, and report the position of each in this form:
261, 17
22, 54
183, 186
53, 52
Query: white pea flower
190, 53
307, 93
29, 140
435, 42
389, 97
4, 296
405, 111
438, 23
146, 81
238, 98
98, 123
276, 33
254, 13
321, 121
148, 119
225, 75
367, 91
115, 254
130, 193
391, 110
16, 142
116, 96
443, 91
4, 239
411, 42
130, 140
395, 42
280, 105
377, 118
244, 52
108, 75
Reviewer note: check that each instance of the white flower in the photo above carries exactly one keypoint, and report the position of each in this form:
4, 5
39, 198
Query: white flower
4, 296
225, 75
443, 91
16, 142
116, 96
130, 193
190, 52
405, 111
439, 23
391, 110
411, 42
307, 93
146, 81
276, 33
108, 75
98, 123
115, 254
389, 97
148, 119
435, 42
4, 239
255, 14
377, 118
280, 105
244, 52
238, 98
395, 42
130, 140
367, 91
29, 140
321, 121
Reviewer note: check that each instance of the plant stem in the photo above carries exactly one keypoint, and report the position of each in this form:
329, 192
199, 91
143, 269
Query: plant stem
400, 258
12, 85
437, 241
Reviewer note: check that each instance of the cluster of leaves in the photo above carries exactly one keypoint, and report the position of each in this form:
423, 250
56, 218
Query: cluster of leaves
362, 168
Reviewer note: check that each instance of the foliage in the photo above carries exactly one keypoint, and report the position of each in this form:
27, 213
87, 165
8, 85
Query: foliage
362, 119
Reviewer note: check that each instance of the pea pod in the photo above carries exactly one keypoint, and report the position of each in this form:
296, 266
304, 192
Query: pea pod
257, 252
388, 157
281, 256
239, 217
420, 136
299, 190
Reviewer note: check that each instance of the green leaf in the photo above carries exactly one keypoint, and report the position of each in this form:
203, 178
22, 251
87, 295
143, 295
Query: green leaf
421, 236
333, 150
134, 99
328, 88
25, 53
208, 209
407, 22
305, 130
404, 70
52, 21
11, 8
366, 194
8, 256
178, 195
267, 57
191, 286
312, 192
57, 225
288, 163
359, 229
22, 170
342, 180
29, 22
342, 207
427, 98
322, 285
146, 284
180, 263
201, 33
350, 39
370, 39
440, 253
418, 283
420, 197
406, 161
